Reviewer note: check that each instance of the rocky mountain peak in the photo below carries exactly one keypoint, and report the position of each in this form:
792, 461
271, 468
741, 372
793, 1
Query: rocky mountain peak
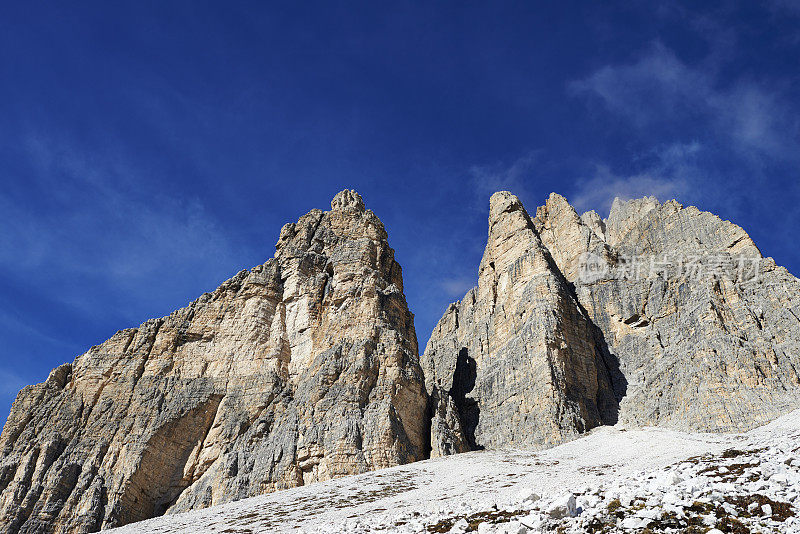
511, 235
670, 330
595, 223
566, 235
501, 203
671, 281
625, 214
500, 368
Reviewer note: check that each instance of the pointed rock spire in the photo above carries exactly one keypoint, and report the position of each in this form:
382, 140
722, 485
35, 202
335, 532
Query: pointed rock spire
347, 199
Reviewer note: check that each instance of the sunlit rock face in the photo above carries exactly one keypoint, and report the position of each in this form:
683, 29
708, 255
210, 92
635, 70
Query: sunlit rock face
307, 367
299, 370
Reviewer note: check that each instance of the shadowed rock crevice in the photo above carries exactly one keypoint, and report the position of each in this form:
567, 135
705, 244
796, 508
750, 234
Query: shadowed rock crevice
463, 383
610, 364
159, 478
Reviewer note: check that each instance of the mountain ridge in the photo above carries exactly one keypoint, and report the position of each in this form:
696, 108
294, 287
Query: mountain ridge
307, 367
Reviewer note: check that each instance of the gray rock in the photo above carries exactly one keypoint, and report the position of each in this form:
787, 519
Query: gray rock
669, 329
562, 507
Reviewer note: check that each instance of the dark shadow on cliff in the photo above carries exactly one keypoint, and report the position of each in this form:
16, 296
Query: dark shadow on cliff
463, 383
619, 383
607, 362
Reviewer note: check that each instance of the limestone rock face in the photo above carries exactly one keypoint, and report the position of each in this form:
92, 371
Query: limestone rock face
517, 362
706, 330
563, 232
301, 369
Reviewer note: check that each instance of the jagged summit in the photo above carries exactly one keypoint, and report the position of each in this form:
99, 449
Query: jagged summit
347, 198
682, 319
503, 202
504, 367
691, 309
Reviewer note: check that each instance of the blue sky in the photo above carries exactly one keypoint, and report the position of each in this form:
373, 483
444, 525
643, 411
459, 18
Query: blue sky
149, 151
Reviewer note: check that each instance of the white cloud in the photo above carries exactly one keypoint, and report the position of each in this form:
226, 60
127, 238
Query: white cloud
644, 90
664, 172
660, 89
598, 192
455, 288
668, 176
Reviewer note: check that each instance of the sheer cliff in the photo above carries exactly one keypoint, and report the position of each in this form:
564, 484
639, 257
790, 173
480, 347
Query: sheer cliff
517, 362
705, 329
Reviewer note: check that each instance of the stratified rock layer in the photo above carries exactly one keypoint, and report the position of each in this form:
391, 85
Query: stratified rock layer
516, 363
302, 369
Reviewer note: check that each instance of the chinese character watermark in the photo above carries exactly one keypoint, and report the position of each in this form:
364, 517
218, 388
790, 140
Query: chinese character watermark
592, 267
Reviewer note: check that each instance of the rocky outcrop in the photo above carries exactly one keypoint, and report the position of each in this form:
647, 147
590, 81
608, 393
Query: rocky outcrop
516, 363
706, 330
301, 369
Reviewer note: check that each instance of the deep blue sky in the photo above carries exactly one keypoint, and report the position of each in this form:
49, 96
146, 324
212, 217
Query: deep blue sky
150, 151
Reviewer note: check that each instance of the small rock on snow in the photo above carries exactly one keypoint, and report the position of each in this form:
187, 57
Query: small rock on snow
563, 507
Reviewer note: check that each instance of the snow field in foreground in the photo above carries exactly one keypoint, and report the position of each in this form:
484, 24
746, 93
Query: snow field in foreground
611, 480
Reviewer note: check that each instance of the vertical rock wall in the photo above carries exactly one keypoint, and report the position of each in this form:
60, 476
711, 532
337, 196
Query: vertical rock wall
705, 329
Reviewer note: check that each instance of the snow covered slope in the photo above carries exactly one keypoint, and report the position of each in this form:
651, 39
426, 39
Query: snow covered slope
611, 480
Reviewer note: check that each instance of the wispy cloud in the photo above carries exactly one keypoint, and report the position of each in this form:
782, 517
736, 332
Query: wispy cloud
126, 236
643, 90
659, 89
10, 383
667, 173
455, 288
598, 192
